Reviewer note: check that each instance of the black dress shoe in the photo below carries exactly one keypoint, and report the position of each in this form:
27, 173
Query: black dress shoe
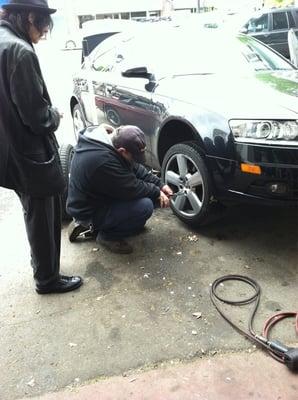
62, 285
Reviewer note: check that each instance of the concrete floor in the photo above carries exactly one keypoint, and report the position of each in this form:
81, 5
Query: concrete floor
135, 312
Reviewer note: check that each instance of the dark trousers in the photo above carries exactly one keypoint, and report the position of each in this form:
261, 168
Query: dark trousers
124, 219
43, 225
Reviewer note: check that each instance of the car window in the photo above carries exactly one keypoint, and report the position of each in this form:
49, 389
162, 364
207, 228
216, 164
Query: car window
106, 55
212, 54
104, 62
259, 24
260, 58
110, 43
280, 21
215, 52
291, 20
134, 54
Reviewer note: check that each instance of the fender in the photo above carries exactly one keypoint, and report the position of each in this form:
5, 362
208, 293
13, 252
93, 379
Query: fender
199, 125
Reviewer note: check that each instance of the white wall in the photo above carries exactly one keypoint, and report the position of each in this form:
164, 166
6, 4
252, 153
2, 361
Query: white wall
185, 4
83, 7
236, 5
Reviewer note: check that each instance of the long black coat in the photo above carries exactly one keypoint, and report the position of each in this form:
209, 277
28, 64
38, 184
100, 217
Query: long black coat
29, 160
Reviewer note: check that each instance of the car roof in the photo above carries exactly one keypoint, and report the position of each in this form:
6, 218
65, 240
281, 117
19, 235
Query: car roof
98, 27
283, 9
96, 31
275, 10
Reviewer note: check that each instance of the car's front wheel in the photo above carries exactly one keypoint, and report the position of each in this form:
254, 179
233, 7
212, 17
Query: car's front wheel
184, 170
78, 120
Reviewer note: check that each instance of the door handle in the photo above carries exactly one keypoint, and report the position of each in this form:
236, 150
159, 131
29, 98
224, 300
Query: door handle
110, 89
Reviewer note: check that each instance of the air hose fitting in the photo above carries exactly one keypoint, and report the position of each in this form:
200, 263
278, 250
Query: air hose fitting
280, 352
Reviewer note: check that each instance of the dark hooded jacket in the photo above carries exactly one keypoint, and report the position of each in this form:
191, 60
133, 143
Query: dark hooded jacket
99, 175
29, 161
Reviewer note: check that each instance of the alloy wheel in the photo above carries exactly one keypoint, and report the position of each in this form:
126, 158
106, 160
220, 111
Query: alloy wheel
184, 177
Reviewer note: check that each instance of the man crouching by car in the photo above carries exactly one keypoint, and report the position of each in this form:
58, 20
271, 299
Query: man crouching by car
110, 190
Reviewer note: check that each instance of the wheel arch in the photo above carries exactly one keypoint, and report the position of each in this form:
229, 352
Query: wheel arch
73, 102
175, 131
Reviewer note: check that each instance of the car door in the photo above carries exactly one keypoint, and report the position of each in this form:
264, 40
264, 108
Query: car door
84, 90
89, 83
123, 100
103, 80
281, 22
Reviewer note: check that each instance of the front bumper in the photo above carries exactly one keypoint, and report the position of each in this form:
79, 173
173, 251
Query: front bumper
279, 166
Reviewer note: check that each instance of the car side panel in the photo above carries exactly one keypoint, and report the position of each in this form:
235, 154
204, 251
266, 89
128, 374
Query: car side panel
124, 101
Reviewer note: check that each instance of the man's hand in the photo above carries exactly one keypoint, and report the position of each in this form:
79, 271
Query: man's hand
167, 190
164, 200
61, 114
109, 129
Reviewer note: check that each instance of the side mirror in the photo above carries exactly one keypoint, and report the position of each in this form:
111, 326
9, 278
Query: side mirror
139, 72
243, 30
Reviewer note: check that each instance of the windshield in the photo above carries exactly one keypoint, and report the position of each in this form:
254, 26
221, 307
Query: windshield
181, 52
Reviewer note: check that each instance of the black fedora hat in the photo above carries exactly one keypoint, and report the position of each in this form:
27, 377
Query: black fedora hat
34, 5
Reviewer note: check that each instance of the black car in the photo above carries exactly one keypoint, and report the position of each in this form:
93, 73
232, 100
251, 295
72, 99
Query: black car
272, 26
220, 114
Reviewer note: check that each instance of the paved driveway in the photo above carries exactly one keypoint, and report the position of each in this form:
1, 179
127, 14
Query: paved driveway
136, 311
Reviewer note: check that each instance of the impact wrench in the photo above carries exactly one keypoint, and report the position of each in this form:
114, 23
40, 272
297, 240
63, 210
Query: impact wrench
280, 352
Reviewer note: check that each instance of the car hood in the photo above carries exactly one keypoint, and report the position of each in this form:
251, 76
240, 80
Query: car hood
264, 95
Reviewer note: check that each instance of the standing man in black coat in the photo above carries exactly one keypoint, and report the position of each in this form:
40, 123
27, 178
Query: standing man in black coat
29, 159
109, 188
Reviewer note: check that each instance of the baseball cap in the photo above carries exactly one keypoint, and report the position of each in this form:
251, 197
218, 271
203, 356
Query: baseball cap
132, 139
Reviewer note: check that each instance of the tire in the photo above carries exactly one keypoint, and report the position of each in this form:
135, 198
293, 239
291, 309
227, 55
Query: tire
113, 117
66, 152
184, 170
78, 120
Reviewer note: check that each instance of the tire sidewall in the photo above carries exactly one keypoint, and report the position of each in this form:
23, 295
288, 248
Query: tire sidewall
192, 151
66, 152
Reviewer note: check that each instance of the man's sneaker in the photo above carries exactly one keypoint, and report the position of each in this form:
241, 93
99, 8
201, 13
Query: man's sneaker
115, 246
75, 229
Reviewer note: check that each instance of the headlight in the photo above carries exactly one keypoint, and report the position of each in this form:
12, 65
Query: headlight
269, 130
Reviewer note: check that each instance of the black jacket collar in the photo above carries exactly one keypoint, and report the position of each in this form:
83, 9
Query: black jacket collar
16, 32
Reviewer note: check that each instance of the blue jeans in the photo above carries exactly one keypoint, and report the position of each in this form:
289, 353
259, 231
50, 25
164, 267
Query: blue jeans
124, 219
